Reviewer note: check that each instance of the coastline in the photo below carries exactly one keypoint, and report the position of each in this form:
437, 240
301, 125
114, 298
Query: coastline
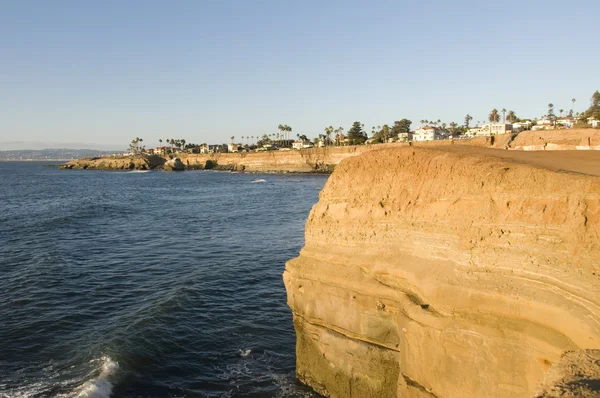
324, 160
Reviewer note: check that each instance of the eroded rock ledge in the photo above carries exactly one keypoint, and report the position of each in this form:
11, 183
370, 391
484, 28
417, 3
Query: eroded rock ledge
447, 272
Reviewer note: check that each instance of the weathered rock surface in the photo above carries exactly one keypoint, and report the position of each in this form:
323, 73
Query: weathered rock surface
305, 161
557, 140
447, 272
576, 375
174, 164
116, 163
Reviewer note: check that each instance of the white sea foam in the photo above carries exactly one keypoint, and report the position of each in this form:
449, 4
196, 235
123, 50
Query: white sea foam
258, 181
244, 353
100, 387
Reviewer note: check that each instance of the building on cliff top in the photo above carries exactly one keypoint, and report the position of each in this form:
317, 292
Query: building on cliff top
429, 133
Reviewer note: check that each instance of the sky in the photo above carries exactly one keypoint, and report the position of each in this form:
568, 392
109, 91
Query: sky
99, 73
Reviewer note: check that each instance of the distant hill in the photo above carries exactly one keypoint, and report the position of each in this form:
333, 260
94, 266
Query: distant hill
52, 154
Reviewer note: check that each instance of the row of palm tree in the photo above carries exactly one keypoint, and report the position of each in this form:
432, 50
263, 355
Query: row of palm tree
248, 137
177, 143
339, 132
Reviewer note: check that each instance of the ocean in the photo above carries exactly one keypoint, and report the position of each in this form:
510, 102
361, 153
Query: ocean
148, 284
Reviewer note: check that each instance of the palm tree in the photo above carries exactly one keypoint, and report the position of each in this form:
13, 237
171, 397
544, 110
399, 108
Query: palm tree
572, 104
511, 116
468, 118
183, 144
494, 116
504, 115
232, 138
281, 129
550, 109
560, 111
288, 129
328, 132
453, 127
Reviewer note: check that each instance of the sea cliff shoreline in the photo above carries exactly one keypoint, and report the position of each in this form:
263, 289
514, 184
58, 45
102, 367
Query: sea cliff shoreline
324, 160
451, 271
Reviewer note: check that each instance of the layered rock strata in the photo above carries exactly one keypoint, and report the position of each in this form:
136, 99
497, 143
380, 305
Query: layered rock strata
447, 272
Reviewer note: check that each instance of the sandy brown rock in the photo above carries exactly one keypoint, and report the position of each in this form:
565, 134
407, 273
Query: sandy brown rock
556, 140
116, 163
304, 161
447, 272
174, 164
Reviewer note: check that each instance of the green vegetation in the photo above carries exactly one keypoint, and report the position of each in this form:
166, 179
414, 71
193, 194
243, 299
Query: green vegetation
356, 134
136, 146
468, 118
400, 126
494, 117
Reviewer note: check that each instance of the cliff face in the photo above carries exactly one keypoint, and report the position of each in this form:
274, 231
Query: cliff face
304, 161
449, 272
556, 140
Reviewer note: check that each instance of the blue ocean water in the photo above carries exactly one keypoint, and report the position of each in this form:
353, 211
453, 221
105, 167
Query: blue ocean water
132, 284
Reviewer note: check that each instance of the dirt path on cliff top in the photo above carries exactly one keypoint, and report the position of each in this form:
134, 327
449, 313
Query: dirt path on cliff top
582, 162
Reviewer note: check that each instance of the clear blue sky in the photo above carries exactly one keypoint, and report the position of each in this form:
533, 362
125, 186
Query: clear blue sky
102, 72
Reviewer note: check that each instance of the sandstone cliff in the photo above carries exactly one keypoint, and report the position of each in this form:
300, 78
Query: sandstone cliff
556, 140
116, 163
447, 272
304, 161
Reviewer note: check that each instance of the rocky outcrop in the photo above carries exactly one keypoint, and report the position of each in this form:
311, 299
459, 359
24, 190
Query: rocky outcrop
116, 163
174, 164
447, 272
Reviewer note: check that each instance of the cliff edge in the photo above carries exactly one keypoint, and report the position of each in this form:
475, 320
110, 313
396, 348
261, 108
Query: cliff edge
448, 271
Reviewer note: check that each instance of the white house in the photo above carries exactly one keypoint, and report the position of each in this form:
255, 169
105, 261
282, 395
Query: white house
233, 147
565, 122
500, 128
523, 125
543, 124
302, 144
593, 121
480, 131
405, 137
297, 144
428, 133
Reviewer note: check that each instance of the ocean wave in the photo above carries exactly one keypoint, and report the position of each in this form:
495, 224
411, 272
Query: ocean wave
101, 387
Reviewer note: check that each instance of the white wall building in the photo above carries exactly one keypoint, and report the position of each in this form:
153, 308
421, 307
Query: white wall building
500, 128
520, 126
428, 133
